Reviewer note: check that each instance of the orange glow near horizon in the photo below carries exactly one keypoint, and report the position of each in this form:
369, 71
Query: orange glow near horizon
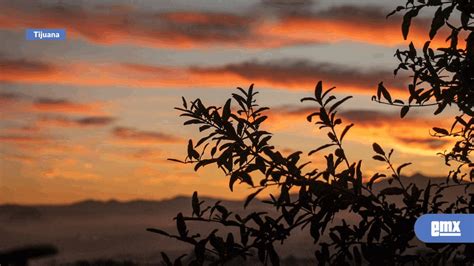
92, 117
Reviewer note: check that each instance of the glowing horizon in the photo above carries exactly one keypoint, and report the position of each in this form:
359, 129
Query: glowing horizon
92, 117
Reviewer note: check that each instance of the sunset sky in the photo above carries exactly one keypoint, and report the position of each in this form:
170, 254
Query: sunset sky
92, 117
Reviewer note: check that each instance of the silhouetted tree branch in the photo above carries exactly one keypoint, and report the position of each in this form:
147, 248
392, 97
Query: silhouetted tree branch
311, 199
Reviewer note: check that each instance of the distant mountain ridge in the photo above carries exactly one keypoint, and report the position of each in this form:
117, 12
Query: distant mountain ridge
418, 178
93, 229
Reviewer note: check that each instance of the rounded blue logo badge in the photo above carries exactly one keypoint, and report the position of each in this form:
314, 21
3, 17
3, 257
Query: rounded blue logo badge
445, 228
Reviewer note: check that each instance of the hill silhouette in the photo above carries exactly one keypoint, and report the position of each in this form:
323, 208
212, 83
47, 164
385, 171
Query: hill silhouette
91, 229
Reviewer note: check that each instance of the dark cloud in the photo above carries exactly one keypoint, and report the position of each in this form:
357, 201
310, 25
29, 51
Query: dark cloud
24, 67
296, 72
431, 143
358, 116
98, 120
62, 121
111, 25
135, 135
206, 26
371, 117
375, 15
66, 106
9, 97
50, 101
288, 6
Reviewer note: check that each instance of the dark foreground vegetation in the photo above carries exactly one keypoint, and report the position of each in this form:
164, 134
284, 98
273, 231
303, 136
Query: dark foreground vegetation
313, 200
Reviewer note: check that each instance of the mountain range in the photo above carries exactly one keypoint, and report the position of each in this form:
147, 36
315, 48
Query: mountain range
90, 230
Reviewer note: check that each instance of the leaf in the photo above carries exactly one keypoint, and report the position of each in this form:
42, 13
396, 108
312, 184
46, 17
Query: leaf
358, 183
377, 148
181, 225
398, 101
157, 231
407, 21
192, 121
346, 129
392, 191
195, 204
226, 111
204, 127
382, 90
340, 153
321, 148
404, 111
260, 120
334, 106
175, 160
307, 99
318, 90
314, 230
251, 197
374, 232
185, 105
441, 131
274, 258
411, 51
310, 117
373, 179
166, 259
426, 197
438, 22
234, 177
191, 152
399, 8
378, 158
441, 107
246, 178
357, 256
399, 169
465, 15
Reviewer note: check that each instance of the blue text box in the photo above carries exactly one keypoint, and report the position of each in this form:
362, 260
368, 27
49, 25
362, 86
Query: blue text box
45, 34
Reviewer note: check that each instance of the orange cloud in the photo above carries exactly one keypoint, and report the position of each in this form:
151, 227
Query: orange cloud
147, 155
66, 106
111, 26
25, 159
22, 139
186, 29
366, 24
410, 135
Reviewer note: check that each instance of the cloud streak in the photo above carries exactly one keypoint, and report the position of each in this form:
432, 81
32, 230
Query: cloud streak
410, 135
280, 74
302, 73
66, 106
365, 24
61, 121
288, 25
133, 135
17, 103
